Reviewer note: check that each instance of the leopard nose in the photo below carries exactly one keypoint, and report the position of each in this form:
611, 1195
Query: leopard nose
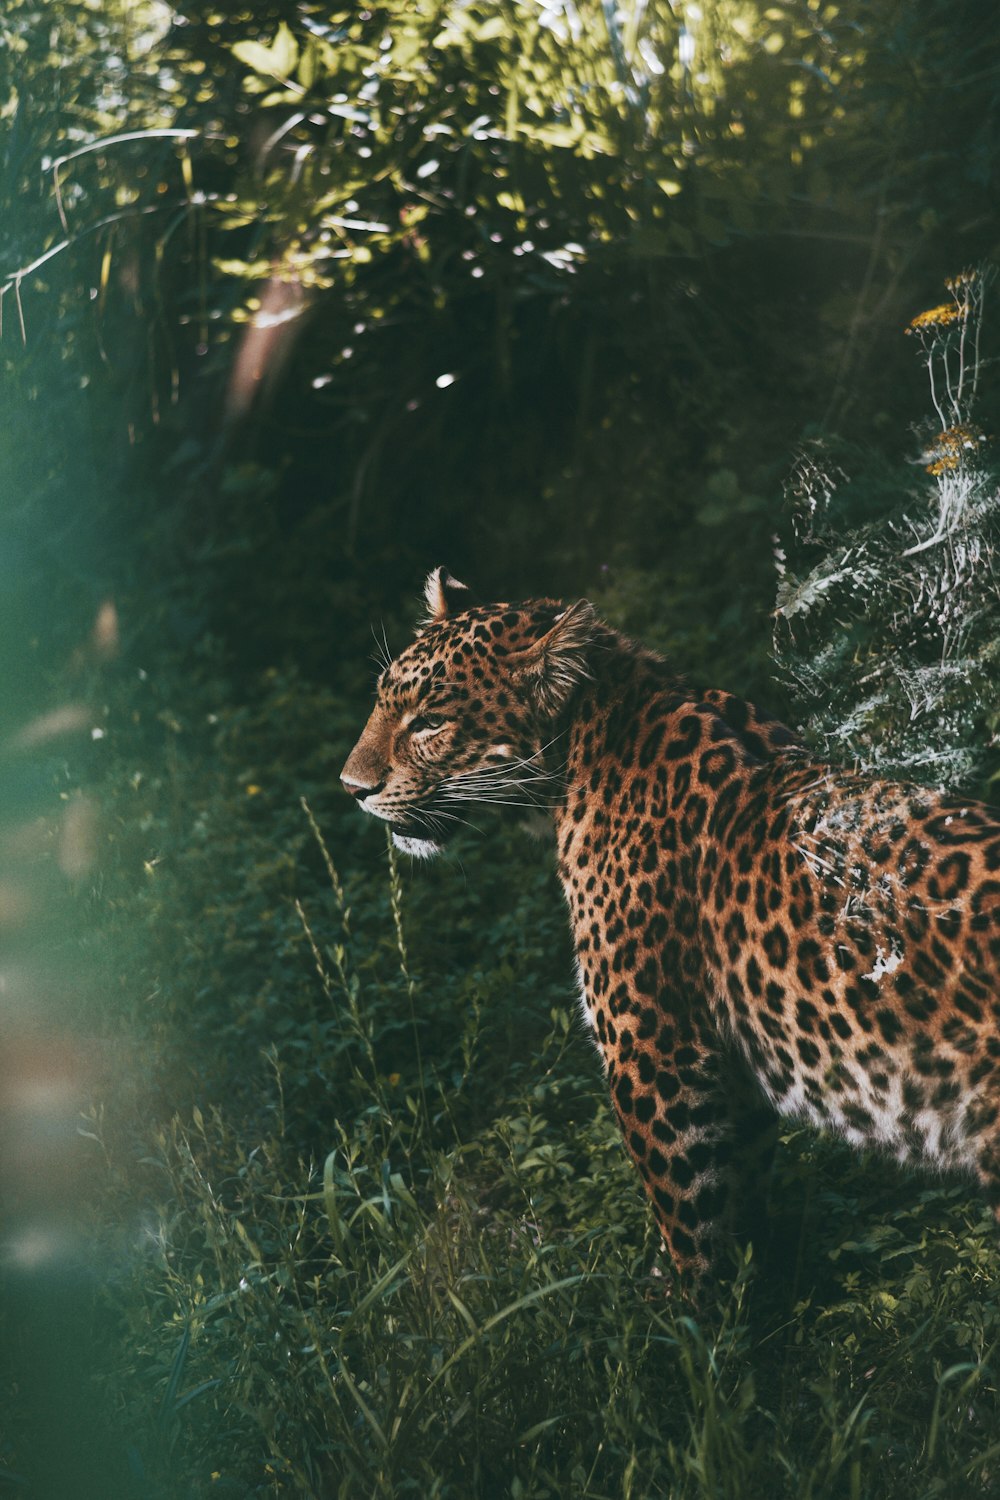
360, 789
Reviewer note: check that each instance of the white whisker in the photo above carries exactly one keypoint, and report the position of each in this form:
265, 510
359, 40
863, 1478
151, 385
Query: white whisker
439, 813
472, 784
538, 805
381, 655
505, 775
503, 769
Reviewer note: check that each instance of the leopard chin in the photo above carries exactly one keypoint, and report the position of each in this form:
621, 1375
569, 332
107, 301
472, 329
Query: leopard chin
417, 848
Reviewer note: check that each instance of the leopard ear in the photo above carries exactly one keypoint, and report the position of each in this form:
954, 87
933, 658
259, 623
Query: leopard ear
554, 665
444, 596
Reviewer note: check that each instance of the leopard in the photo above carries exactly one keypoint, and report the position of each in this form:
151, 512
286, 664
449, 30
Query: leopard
759, 935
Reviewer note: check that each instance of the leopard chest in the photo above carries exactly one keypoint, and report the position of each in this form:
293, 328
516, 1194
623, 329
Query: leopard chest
630, 864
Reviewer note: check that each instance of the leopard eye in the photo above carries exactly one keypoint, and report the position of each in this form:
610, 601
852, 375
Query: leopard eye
424, 724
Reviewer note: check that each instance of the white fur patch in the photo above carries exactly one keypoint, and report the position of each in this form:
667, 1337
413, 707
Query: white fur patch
587, 1014
884, 964
418, 848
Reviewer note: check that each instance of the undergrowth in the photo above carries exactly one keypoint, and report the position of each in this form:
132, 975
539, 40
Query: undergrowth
367, 1229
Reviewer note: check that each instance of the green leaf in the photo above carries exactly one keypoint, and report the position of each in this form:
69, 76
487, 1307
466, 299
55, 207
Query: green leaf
491, 30
253, 55
285, 50
276, 61
308, 65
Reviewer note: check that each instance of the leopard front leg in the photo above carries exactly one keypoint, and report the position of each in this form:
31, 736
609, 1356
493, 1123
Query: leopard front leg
697, 1133
755, 1137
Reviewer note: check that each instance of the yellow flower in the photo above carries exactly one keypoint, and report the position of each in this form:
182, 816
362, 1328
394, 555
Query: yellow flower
938, 317
948, 448
393, 1080
253, 790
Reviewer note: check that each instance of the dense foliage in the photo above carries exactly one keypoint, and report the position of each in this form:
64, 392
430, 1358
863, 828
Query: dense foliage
889, 627
309, 1181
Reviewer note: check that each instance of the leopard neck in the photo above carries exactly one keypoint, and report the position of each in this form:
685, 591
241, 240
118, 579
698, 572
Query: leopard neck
601, 715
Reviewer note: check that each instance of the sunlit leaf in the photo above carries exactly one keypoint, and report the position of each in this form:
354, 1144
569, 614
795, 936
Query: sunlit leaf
276, 61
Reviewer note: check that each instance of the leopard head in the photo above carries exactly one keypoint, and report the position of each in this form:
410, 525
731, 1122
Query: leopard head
469, 713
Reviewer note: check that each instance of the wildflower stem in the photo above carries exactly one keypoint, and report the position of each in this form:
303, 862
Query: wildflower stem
395, 898
331, 870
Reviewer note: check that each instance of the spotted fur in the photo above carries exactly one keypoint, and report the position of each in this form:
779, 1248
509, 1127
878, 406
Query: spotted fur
757, 934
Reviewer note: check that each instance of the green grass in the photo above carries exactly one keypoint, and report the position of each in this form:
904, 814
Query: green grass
365, 1227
